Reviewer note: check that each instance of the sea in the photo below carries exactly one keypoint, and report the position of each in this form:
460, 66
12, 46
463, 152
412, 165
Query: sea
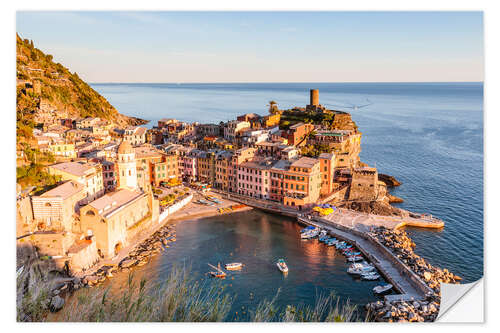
427, 135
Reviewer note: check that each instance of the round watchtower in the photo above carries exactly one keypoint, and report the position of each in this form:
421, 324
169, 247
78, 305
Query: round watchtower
314, 99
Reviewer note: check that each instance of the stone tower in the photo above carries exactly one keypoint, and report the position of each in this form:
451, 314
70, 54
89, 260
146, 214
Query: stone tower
314, 97
127, 172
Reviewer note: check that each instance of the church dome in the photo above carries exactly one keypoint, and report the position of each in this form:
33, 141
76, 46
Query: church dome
125, 148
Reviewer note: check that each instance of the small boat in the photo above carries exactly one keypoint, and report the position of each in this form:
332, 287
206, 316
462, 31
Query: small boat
310, 234
349, 253
204, 202
306, 229
380, 290
219, 273
213, 199
360, 269
341, 245
282, 266
372, 276
354, 258
331, 243
234, 266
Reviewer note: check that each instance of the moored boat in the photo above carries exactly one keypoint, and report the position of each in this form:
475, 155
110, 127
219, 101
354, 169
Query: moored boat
372, 276
306, 229
310, 234
354, 258
323, 238
360, 269
383, 289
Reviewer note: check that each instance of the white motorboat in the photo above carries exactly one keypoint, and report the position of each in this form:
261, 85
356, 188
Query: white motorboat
372, 276
234, 266
360, 269
282, 266
310, 234
379, 290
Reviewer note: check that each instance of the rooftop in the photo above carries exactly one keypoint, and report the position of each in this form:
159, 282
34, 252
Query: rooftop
110, 202
281, 165
259, 163
305, 162
75, 168
327, 156
64, 191
146, 151
296, 125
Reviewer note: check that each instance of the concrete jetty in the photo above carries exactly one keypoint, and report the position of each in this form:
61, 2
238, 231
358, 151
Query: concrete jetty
355, 228
404, 280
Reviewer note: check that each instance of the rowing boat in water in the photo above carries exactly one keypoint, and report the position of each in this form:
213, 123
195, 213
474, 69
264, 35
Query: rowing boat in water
234, 266
219, 273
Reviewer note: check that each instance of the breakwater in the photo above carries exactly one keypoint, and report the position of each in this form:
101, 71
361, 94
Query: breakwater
419, 296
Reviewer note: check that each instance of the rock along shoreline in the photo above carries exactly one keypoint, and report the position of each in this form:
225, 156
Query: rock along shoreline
401, 245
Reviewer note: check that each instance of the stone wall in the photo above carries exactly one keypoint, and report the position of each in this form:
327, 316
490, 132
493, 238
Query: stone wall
24, 217
174, 208
83, 255
51, 243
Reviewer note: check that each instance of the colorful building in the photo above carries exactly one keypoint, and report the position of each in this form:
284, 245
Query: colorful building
302, 183
87, 174
55, 209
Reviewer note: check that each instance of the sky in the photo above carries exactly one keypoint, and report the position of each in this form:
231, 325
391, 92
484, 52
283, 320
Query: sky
241, 46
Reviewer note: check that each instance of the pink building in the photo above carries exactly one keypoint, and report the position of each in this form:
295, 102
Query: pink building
254, 178
190, 166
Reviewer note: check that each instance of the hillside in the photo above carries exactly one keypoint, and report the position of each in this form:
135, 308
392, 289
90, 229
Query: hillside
39, 79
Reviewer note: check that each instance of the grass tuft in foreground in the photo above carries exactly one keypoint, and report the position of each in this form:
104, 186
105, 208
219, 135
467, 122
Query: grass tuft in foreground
178, 299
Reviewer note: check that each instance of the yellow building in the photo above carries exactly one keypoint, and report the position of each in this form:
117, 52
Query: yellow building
302, 183
63, 149
116, 218
87, 174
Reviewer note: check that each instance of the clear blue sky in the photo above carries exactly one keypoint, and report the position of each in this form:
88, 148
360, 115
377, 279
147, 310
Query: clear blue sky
261, 46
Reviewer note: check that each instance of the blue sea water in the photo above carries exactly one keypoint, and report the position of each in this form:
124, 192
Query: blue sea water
428, 135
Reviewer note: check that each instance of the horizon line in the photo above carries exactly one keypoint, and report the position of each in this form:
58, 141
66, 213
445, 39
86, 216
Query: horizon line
264, 82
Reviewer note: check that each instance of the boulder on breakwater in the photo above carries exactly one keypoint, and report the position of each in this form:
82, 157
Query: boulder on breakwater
401, 245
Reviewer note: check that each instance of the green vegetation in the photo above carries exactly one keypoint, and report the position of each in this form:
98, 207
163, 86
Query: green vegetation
273, 107
329, 120
55, 83
35, 175
33, 292
180, 298
291, 117
315, 150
